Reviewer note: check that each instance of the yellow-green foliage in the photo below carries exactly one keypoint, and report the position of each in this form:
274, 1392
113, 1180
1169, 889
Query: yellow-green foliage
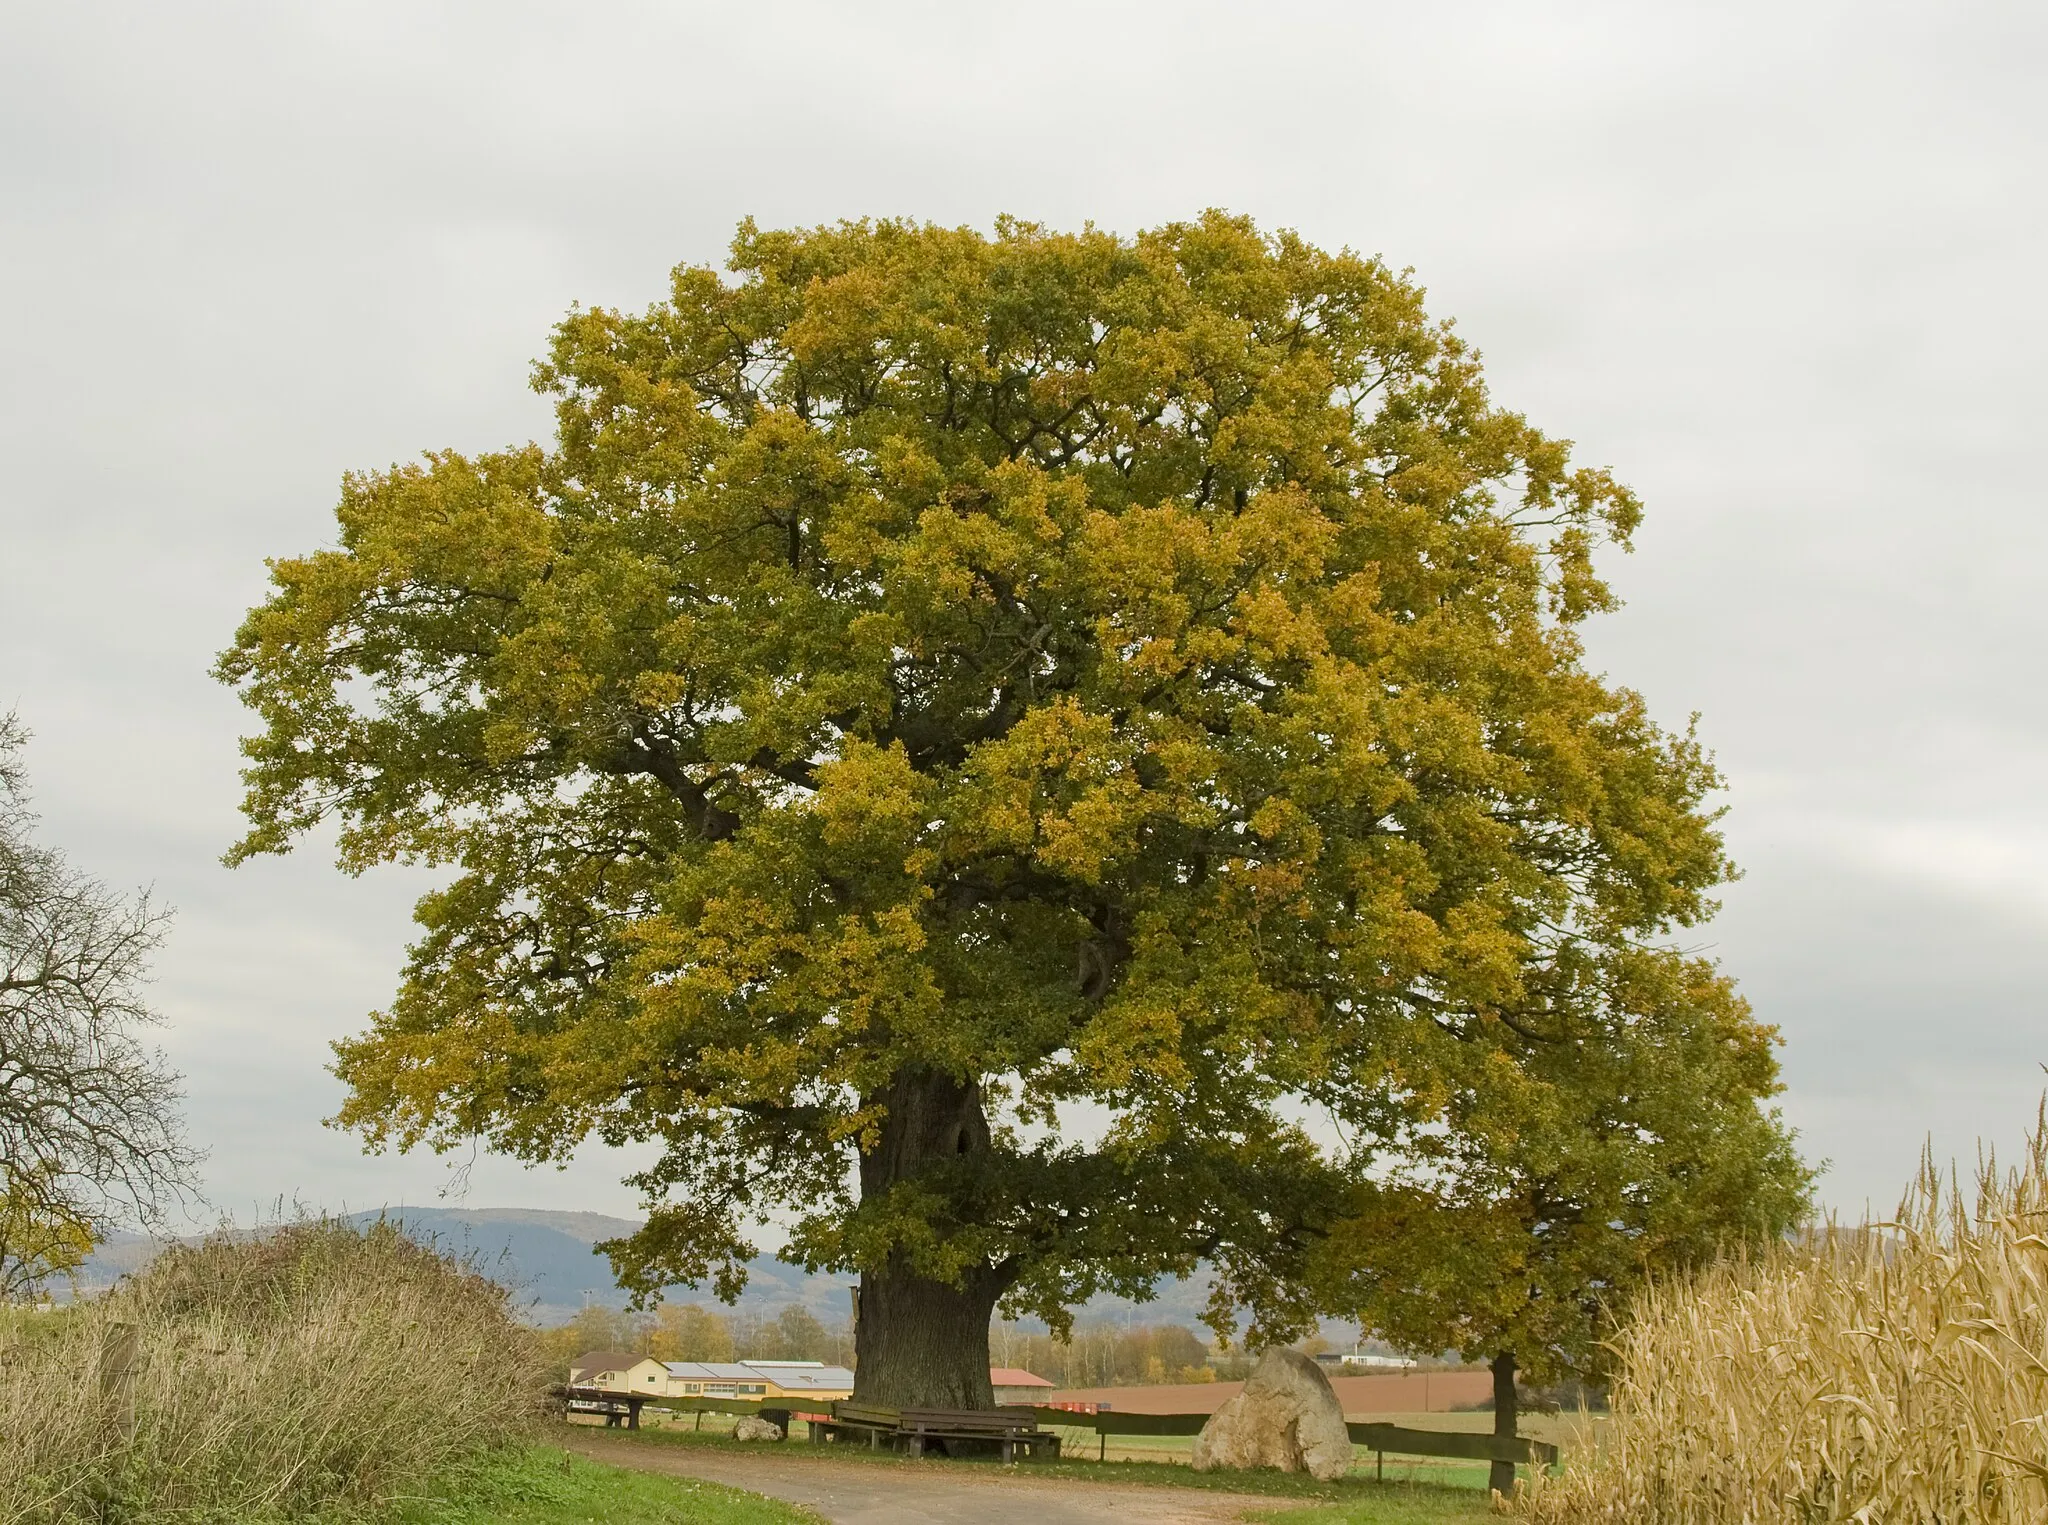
1893, 1373
931, 679
314, 1368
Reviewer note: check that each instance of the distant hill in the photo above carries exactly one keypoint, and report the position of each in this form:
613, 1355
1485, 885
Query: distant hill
547, 1259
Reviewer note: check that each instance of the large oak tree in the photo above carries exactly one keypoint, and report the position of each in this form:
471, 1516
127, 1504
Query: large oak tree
997, 750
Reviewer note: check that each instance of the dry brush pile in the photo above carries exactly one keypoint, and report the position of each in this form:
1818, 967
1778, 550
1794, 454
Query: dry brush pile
317, 1368
1888, 1374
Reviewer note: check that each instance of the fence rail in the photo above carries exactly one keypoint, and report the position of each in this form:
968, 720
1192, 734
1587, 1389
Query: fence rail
1462, 1445
1385, 1439
1465, 1445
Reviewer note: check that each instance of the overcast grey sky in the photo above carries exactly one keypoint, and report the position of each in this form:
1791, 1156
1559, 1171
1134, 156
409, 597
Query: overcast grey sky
1780, 265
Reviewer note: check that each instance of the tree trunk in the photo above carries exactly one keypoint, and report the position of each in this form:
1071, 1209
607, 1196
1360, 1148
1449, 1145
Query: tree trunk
920, 1343
1500, 1475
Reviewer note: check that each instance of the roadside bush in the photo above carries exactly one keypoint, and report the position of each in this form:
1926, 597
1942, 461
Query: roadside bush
319, 1367
1893, 1373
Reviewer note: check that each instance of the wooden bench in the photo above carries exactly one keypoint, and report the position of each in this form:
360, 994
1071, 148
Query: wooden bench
616, 1407
1008, 1428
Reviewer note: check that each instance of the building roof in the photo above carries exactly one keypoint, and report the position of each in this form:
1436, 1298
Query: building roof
606, 1360
1015, 1376
816, 1379
807, 1376
712, 1371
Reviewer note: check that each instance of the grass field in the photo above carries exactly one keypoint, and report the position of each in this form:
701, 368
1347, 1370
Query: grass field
540, 1486
1404, 1498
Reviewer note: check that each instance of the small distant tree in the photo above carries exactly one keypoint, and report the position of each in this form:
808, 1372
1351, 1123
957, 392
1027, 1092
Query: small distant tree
90, 1127
800, 1335
690, 1332
1632, 1143
1177, 1347
39, 1240
593, 1328
932, 681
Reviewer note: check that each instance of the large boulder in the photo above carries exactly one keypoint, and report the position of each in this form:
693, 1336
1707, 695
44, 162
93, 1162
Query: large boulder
748, 1427
1286, 1417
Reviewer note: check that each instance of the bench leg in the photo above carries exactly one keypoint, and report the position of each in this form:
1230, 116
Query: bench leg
1009, 1449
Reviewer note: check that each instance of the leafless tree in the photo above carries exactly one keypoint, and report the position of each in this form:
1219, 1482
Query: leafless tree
91, 1135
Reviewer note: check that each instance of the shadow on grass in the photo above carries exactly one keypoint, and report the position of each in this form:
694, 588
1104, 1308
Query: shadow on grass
1397, 1500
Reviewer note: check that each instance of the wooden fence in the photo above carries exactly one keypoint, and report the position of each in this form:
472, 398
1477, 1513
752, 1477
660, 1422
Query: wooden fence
1382, 1439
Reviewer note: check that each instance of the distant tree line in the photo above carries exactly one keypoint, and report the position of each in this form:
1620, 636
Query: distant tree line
692, 1332
1109, 1355
1096, 1355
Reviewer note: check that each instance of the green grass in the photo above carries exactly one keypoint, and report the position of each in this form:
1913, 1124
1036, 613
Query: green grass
537, 1485
1405, 1498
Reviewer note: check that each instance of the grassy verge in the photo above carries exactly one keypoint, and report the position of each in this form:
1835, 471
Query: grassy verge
317, 1367
1402, 1499
537, 1485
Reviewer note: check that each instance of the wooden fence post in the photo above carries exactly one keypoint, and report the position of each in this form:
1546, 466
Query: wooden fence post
120, 1357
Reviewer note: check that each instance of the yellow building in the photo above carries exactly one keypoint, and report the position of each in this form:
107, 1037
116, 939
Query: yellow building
769, 1381
620, 1371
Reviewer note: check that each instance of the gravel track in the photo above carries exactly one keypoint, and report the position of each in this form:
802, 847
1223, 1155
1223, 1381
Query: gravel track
924, 1493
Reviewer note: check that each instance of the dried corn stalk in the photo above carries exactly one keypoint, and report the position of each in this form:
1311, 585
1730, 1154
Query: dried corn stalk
1896, 1372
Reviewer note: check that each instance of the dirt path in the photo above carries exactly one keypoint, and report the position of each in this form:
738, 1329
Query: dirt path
924, 1493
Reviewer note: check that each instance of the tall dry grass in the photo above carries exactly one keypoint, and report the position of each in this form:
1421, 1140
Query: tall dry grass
317, 1368
1892, 1373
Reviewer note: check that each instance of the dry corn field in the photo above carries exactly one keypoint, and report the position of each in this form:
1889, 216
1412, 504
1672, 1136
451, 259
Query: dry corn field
316, 1369
1890, 1374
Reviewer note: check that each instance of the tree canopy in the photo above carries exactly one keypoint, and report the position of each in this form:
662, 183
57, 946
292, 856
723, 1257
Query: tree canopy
1636, 1149
1040, 758
1518, 1232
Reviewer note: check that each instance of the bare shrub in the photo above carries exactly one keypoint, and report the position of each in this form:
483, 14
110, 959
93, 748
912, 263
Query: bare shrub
314, 1367
1891, 1373
90, 1131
